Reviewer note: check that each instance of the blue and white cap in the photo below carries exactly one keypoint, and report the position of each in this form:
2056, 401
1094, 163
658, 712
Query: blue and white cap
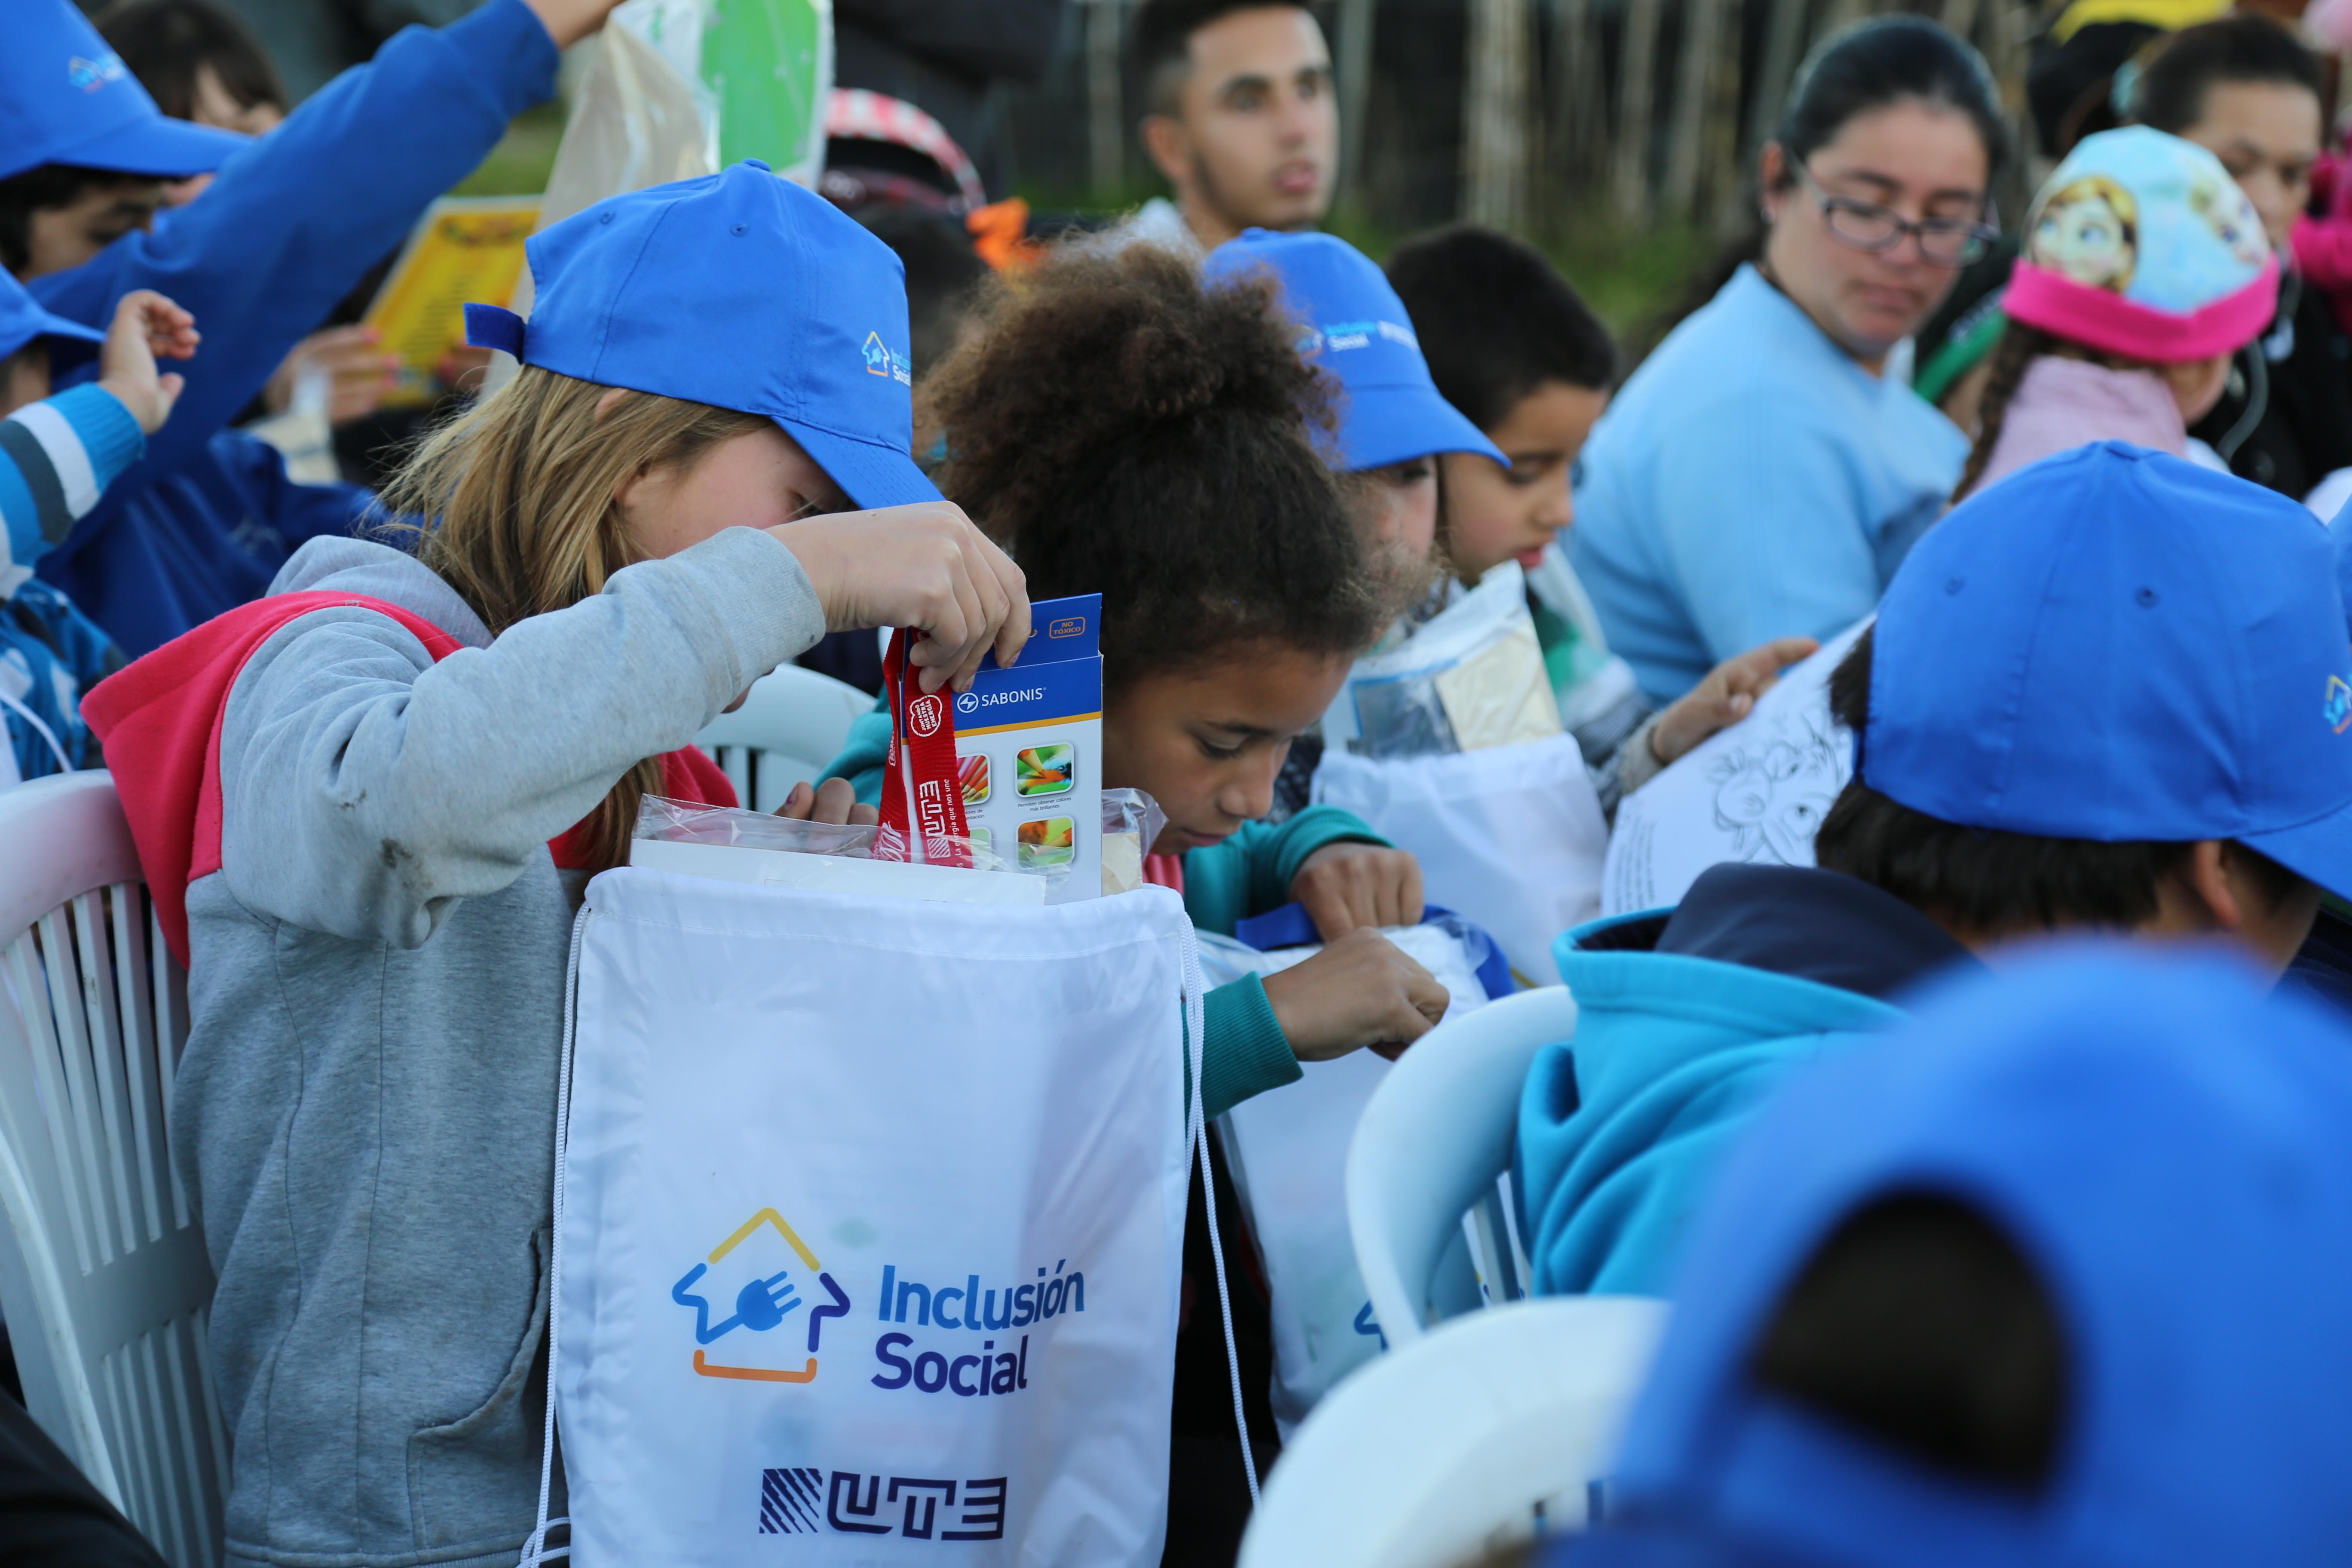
742, 291
66, 97
1356, 330
2118, 646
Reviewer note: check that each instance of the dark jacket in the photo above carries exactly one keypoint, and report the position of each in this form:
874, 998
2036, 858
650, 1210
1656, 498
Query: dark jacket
943, 56
2296, 379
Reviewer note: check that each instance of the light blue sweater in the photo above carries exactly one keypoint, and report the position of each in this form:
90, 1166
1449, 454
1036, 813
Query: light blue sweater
1751, 481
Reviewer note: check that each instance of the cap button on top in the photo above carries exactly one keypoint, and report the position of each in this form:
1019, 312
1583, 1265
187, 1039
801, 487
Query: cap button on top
605, 216
759, 165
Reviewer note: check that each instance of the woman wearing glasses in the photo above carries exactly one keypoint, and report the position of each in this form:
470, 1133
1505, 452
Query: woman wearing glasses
1760, 476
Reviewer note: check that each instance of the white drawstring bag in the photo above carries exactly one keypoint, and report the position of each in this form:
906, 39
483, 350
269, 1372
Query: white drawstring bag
869, 1221
1511, 837
1287, 1149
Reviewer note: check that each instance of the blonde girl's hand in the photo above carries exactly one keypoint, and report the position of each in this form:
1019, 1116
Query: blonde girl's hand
1361, 990
834, 801
1726, 696
1345, 886
925, 566
569, 21
145, 325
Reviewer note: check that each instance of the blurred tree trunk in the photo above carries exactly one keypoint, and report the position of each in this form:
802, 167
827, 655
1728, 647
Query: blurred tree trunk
1496, 111
1637, 92
1687, 135
1106, 118
1354, 70
1579, 109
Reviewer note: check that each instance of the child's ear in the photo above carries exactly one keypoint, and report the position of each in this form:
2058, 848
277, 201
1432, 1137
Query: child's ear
2205, 875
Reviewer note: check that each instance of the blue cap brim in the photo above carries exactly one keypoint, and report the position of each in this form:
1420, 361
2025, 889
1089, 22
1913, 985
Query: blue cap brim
870, 475
1384, 425
36, 325
159, 149
2318, 851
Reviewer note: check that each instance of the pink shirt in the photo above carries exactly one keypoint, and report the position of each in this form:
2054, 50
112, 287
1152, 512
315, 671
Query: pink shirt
2062, 403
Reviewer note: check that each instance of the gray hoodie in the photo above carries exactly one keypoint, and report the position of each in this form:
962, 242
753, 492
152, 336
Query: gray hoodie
366, 1108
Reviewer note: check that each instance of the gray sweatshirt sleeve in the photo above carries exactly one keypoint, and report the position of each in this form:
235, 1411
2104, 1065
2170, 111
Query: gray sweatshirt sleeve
365, 787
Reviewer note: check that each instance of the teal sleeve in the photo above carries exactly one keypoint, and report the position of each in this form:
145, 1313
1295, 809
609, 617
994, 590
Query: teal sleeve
1243, 1052
863, 754
1251, 872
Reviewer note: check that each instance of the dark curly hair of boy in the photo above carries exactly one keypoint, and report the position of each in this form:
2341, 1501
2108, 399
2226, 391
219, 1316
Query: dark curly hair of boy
1121, 430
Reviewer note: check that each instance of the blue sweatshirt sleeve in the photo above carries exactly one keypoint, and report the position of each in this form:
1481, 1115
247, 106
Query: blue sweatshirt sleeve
863, 754
291, 223
1747, 482
56, 459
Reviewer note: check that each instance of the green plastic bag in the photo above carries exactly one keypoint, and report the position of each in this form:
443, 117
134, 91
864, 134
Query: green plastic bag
766, 66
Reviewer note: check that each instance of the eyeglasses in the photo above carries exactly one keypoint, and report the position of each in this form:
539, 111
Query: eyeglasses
1866, 226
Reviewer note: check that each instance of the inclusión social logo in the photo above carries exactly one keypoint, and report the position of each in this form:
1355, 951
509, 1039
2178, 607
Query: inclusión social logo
91, 75
2338, 708
882, 360
764, 1301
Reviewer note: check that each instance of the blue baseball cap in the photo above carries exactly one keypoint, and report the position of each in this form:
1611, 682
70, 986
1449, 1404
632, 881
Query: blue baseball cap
742, 291
2163, 1145
1357, 329
22, 320
2115, 645
66, 97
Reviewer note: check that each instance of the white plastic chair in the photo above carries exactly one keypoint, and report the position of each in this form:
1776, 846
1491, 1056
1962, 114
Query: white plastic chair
792, 723
1432, 1144
104, 1275
1489, 1429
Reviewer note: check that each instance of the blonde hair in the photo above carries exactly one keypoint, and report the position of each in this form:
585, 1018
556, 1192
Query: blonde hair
524, 486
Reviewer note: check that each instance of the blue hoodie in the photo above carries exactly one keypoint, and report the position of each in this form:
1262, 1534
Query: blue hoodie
1688, 1019
290, 224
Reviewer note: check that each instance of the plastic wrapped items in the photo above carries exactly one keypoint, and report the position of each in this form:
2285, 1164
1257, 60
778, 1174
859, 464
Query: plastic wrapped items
1471, 678
735, 845
1131, 823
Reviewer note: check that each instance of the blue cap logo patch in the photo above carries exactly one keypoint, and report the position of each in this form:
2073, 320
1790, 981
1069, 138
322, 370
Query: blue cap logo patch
880, 361
91, 75
2337, 710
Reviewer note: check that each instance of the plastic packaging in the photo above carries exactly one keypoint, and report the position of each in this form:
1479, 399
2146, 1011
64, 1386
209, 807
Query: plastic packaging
1472, 677
1131, 823
735, 845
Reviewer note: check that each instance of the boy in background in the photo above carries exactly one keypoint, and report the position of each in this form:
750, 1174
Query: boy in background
2045, 742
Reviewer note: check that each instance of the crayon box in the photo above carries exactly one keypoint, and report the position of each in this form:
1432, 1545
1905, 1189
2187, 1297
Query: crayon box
1029, 752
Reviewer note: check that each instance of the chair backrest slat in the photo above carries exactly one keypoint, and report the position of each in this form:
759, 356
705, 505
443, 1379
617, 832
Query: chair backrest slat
109, 1328
127, 920
93, 947
31, 982
168, 984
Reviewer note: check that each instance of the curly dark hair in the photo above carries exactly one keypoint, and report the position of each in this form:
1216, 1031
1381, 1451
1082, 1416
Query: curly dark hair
1122, 430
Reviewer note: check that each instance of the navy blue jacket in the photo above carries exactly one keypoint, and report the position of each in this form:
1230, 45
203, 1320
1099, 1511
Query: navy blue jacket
286, 230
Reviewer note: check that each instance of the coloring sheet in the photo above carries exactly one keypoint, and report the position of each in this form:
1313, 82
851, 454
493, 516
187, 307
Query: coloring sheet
1755, 792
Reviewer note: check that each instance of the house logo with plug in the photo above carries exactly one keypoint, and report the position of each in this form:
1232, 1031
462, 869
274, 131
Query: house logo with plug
764, 1301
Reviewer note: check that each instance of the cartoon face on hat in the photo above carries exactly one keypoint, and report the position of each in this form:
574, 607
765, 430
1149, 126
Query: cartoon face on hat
2088, 231
2142, 244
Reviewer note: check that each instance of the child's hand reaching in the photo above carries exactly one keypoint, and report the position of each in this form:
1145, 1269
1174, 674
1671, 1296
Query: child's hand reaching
834, 801
1726, 696
1344, 886
1361, 990
146, 325
569, 21
925, 566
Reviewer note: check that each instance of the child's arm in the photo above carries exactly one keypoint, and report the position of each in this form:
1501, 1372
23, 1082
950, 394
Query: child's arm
294, 221
365, 787
59, 455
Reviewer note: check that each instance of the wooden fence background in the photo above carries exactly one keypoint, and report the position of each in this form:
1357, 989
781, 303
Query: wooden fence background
1528, 114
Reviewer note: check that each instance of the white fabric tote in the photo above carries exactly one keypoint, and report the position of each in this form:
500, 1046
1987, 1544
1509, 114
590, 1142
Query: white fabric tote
1288, 1150
870, 1215
1511, 837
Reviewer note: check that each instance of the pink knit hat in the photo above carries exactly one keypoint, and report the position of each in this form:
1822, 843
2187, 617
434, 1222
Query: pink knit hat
2142, 244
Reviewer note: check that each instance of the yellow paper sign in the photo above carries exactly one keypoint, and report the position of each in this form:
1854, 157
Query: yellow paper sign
467, 249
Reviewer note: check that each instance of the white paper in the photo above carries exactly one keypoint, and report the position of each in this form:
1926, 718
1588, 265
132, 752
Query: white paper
1755, 792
